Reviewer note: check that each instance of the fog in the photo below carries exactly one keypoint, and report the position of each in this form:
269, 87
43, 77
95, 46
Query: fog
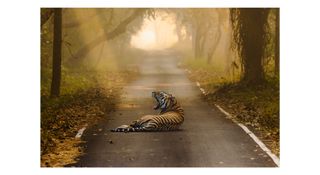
115, 39
100, 67
89, 34
156, 34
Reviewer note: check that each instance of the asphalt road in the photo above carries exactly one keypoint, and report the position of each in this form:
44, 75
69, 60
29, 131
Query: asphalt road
206, 139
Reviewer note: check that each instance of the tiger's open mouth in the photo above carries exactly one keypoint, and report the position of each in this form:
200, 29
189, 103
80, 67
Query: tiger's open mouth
155, 107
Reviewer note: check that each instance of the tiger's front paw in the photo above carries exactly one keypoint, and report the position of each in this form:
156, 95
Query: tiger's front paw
122, 128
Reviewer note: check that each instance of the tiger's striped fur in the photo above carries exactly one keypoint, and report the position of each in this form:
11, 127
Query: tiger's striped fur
170, 118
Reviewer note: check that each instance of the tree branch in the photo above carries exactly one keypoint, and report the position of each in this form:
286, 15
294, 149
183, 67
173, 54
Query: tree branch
46, 13
121, 28
77, 23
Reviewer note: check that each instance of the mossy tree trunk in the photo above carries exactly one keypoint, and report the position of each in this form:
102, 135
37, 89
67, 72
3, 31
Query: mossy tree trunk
277, 43
249, 25
56, 55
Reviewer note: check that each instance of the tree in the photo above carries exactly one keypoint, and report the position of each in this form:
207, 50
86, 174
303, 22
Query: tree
201, 26
56, 55
46, 13
73, 19
205, 28
111, 31
217, 37
109, 35
228, 49
195, 24
277, 42
249, 36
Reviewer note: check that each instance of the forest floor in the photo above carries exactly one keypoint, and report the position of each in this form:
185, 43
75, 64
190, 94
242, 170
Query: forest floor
256, 107
62, 117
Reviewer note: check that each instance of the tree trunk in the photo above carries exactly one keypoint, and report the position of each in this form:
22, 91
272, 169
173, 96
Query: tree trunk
202, 46
228, 51
217, 39
197, 44
253, 27
215, 45
56, 55
277, 44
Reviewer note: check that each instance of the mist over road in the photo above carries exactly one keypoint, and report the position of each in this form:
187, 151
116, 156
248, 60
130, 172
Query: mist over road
206, 139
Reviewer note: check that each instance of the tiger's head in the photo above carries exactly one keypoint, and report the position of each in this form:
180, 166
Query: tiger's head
164, 101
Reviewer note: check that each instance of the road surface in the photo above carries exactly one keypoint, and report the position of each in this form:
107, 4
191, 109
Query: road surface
206, 139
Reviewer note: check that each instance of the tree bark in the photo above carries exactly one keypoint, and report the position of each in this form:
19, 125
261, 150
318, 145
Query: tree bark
277, 44
253, 33
56, 55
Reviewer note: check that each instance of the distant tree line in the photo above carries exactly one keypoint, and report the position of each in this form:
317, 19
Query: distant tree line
250, 30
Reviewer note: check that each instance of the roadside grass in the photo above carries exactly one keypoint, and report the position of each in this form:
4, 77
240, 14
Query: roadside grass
256, 107
86, 97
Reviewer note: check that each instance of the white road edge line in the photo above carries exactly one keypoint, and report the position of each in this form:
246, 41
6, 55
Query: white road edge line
201, 89
275, 159
80, 132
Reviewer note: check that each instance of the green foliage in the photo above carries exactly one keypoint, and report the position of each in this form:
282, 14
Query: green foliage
70, 83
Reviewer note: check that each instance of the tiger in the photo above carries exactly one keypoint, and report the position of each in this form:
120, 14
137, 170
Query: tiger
170, 118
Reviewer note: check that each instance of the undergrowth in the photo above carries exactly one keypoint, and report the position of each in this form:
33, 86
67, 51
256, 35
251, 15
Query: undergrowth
257, 107
86, 98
